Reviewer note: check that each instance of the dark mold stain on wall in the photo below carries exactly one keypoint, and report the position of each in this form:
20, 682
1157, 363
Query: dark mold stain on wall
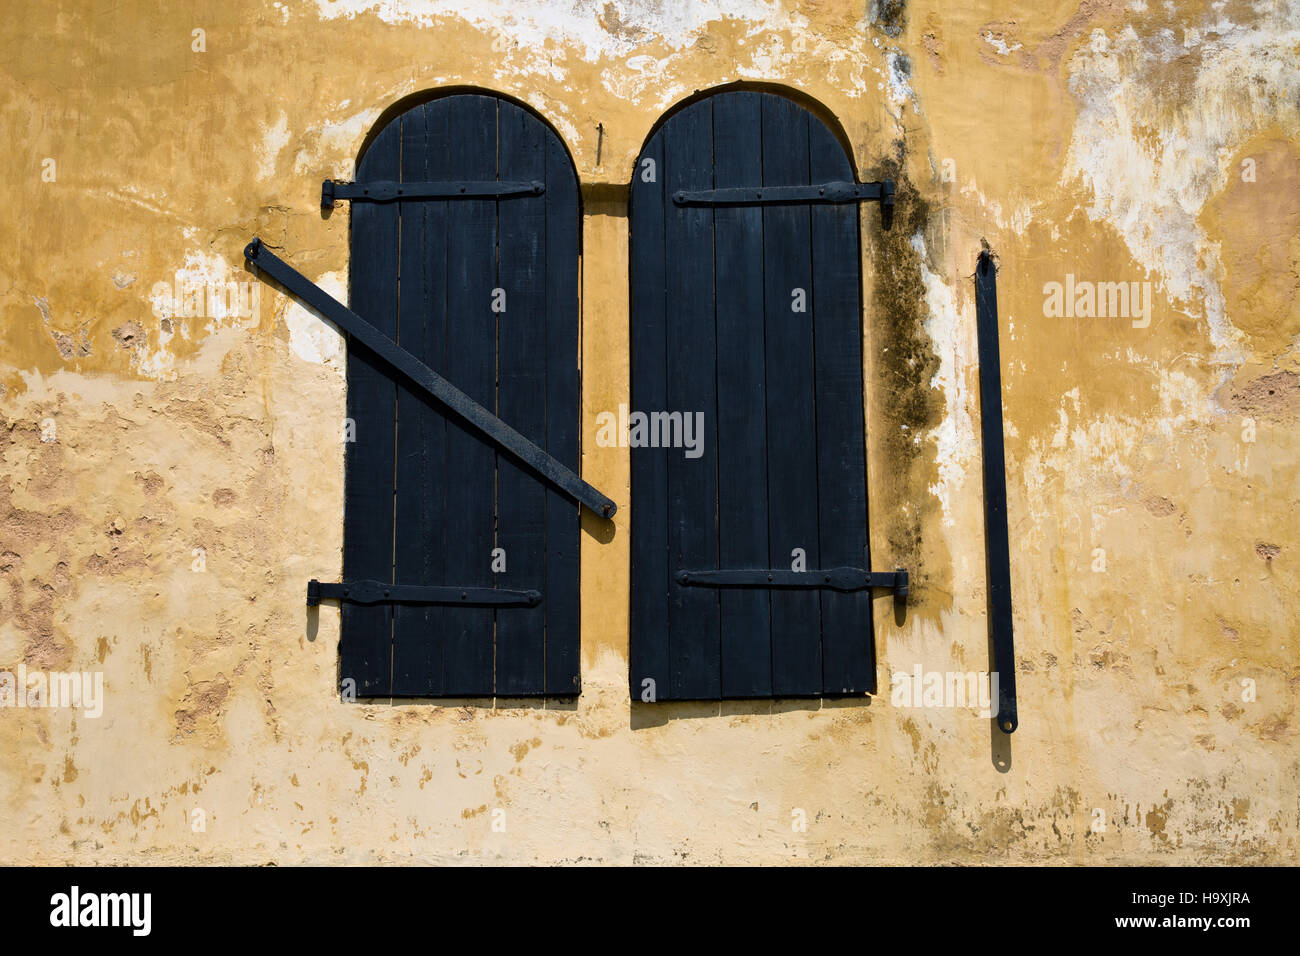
902, 363
890, 16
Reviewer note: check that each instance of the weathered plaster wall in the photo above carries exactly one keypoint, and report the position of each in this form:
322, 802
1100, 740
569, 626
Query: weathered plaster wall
1102, 139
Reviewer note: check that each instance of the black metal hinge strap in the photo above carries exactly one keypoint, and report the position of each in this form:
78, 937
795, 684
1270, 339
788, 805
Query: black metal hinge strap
834, 192
378, 592
383, 190
832, 579
427, 379
997, 547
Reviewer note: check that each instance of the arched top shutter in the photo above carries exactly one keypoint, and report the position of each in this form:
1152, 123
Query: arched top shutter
750, 572
464, 243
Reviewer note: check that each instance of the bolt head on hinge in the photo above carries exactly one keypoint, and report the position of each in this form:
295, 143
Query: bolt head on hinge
900, 583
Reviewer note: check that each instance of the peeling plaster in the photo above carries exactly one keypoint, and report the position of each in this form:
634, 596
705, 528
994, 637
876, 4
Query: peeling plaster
953, 333
312, 338
332, 138
591, 29
1151, 166
274, 139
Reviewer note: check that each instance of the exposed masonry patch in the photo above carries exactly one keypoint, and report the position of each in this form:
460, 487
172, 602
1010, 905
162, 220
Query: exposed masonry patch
934, 49
204, 699
1267, 551
1159, 506
67, 346
1273, 397
128, 336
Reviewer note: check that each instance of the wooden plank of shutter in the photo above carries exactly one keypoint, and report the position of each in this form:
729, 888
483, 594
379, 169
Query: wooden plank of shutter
521, 349
421, 442
848, 664
791, 429
563, 516
365, 647
471, 357
746, 644
650, 516
691, 343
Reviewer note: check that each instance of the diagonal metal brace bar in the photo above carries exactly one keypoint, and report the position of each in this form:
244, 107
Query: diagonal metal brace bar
383, 190
464, 407
379, 592
997, 546
833, 192
830, 579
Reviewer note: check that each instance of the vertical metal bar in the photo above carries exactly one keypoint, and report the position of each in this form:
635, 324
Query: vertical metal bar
997, 548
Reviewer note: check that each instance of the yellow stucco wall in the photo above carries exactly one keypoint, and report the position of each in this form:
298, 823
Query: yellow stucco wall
1112, 141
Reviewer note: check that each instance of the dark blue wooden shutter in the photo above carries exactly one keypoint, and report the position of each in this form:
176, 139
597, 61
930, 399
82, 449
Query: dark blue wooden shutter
783, 464
427, 498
